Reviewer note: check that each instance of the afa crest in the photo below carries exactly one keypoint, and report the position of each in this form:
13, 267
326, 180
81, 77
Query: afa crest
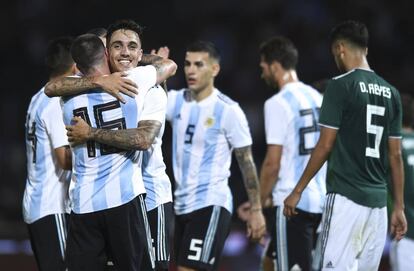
209, 122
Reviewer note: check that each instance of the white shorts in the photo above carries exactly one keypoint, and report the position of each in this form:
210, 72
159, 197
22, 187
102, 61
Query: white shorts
353, 236
401, 254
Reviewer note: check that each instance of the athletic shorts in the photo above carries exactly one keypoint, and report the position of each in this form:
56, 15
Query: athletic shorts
292, 240
48, 240
353, 236
402, 254
200, 236
161, 224
121, 232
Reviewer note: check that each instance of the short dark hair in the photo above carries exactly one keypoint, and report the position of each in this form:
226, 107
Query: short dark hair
126, 24
58, 58
408, 109
87, 51
351, 31
205, 46
99, 31
280, 49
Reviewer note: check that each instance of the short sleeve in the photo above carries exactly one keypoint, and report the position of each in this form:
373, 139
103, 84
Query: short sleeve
155, 104
333, 105
396, 122
236, 127
172, 95
144, 76
276, 122
54, 125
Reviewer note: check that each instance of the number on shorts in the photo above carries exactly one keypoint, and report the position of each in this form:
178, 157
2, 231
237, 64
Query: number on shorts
195, 246
374, 129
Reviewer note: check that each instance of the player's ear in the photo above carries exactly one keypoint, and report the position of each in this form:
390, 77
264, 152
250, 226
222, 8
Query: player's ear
216, 69
139, 55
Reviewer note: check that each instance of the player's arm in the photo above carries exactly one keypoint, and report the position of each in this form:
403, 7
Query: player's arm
165, 67
139, 138
270, 171
64, 157
113, 84
256, 223
398, 221
318, 157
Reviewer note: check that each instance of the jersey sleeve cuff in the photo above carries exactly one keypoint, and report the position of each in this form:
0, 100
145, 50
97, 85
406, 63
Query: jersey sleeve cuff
328, 126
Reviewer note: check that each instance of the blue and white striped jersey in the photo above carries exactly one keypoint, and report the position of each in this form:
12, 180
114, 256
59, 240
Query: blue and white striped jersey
204, 135
103, 176
47, 184
156, 181
291, 120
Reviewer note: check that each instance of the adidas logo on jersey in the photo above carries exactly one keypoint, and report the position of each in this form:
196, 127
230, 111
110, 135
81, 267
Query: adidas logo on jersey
329, 265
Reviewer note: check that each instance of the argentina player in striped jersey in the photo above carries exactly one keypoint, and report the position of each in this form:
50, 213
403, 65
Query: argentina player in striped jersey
98, 191
45, 201
207, 126
157, 184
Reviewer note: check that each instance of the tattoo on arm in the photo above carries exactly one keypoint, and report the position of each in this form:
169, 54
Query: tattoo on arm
248, 168
148, 59
69, 86
139, 138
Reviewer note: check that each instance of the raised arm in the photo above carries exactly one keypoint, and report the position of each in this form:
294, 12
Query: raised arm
256, 224
139, 138
113, 84
398, 221
165, 67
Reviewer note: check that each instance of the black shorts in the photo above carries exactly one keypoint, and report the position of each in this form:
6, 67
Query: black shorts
121, 232
48, 240
161, 224
200, 236
292, 240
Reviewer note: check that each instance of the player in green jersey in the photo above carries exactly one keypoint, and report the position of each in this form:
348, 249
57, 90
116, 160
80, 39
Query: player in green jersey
360, 137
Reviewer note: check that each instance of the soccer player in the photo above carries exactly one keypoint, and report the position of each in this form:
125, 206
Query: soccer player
401, 254
360, 135
122, 36
109, 213
207, 126
291, 117
45, 201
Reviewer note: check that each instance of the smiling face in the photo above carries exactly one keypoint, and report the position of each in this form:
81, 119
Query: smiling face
124, 50
200, 70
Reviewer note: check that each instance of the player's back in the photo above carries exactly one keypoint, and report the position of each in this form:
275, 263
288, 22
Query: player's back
47, 183
367, 113
297, 106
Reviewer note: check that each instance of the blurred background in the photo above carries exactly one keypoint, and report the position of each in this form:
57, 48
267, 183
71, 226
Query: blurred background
236, 27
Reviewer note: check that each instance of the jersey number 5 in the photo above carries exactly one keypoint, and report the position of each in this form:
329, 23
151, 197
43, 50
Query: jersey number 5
374, 129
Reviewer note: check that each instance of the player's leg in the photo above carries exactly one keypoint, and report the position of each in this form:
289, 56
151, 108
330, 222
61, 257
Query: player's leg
203, 239
373, 238
48, 240
128, 235
300, 239
160, 220
86, 242
340, 240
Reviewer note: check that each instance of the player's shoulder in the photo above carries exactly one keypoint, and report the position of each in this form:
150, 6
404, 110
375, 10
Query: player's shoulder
183, 93
226, 100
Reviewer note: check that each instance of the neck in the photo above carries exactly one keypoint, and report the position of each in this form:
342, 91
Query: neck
356, 61
99, 70
289, 76
201, 95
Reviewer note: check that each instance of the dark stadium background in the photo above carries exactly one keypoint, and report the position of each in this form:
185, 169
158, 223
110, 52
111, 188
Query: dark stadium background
236, 27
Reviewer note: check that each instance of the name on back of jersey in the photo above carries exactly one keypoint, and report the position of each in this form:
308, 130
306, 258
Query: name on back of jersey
375, 89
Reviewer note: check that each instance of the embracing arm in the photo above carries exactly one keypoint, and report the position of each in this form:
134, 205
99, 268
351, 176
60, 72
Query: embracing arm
140, 138
64, 157
165, 67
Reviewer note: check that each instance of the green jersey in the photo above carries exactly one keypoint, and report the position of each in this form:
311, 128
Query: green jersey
366, 111
408, 157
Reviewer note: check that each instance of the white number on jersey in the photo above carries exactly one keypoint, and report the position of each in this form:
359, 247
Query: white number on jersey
195, 248
374, 129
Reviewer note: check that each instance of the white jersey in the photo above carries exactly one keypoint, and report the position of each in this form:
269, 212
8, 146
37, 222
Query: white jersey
291, 120
47, 184
204, 135
104, 176
156, 181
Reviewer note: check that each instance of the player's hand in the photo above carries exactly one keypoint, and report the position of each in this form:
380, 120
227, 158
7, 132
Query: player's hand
398, 223
290, 204
116, 83
256, 225
244, 211
79, 132
163, 52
